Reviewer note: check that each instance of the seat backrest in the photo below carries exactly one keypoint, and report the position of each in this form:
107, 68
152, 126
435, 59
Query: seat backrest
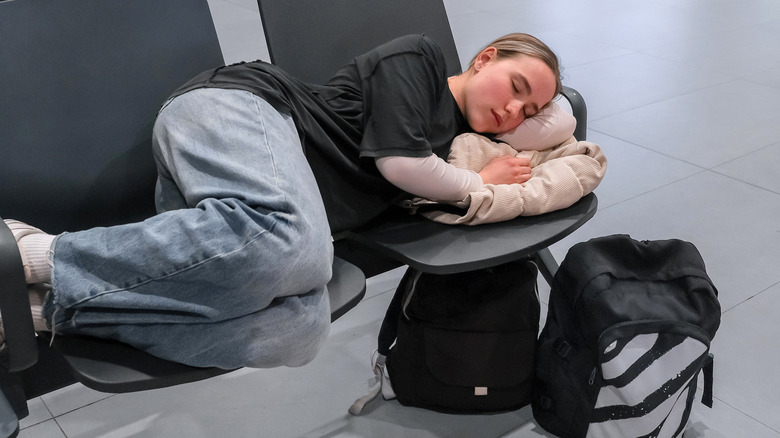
82, 83
311, 39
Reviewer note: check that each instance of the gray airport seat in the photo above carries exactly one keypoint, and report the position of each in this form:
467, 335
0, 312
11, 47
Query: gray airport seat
82, 83
311, 39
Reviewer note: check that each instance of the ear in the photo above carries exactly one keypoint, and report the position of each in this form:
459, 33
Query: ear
485, 57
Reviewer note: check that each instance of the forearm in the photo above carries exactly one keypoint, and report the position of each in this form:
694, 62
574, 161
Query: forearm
429, 177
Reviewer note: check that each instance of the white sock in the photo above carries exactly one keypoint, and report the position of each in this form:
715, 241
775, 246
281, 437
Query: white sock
36, 249
37, 294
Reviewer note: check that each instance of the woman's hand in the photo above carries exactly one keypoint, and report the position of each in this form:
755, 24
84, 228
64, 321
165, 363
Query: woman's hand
506, 169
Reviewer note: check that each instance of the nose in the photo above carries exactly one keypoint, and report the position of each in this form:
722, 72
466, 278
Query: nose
515, 109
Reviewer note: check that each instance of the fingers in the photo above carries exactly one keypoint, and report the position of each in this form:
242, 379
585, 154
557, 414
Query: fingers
506, 170
519, 169
524, 176
518, 161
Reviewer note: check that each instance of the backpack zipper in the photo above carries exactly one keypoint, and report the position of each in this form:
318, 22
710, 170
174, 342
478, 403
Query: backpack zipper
593, 374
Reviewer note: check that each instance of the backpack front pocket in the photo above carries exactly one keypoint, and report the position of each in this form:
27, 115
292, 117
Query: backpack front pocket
647, 376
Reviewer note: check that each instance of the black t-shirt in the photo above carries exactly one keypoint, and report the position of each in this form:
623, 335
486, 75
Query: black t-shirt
393, 100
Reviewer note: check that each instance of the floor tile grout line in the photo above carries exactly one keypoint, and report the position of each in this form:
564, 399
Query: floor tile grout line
60, 427
744, 182
54, 417
711, 168
51, 415
664, 154
638, 195
747, 415
762, 291
666, 99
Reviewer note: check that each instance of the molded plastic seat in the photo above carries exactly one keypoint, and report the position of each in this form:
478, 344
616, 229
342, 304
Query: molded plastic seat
114, 367
111, 366
82, 84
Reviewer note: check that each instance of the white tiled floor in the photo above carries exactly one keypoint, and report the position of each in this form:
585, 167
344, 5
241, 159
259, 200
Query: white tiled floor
684, 98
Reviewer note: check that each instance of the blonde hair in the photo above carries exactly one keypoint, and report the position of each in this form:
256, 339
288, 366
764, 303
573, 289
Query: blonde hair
522, 44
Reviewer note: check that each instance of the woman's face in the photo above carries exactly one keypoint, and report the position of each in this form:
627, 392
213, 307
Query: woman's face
502, 93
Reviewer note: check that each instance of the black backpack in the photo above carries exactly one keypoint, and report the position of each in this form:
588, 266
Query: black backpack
627, 333
460, 343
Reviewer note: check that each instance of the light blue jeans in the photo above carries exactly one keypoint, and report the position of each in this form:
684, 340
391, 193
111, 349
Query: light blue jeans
233, 270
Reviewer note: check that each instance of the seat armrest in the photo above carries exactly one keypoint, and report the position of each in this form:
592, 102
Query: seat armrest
579, 110
346, 288
114, 367
20, 350
437, 248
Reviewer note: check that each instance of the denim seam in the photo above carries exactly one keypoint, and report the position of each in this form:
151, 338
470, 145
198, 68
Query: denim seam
52, 297
265, 138
177, 272
256, 100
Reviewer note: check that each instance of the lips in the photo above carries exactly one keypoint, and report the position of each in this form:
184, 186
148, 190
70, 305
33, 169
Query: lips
497, 118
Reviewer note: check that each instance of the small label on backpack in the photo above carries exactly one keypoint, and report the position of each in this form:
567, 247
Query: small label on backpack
480, 390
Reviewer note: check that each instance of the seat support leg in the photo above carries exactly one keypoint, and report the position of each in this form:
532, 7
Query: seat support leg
546, 263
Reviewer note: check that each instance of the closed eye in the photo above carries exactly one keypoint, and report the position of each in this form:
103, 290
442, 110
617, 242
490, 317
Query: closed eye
522, 85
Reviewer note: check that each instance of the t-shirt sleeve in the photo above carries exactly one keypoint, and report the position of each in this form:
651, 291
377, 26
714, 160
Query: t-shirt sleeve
401, 95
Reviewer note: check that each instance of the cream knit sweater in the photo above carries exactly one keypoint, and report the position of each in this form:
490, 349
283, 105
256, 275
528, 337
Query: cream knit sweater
560, 176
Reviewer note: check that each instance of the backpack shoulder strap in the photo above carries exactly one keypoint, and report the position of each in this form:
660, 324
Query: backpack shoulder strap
389, 329
380, 383
708, 368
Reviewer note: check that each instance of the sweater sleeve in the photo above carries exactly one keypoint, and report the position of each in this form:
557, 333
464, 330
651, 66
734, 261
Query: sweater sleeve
429, 177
